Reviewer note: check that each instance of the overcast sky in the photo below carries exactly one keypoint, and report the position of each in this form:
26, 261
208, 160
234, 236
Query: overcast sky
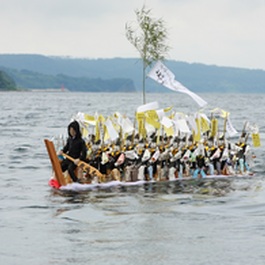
219, 32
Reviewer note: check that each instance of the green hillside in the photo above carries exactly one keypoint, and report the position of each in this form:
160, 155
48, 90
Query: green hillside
6, 82
121, 74
26, 79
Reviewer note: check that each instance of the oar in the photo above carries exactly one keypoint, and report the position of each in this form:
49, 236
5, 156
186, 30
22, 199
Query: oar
85, 166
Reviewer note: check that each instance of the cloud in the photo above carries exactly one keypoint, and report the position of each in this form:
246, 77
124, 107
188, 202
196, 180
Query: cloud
221, 32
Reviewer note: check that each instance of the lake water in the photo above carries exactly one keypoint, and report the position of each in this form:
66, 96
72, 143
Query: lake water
159, 224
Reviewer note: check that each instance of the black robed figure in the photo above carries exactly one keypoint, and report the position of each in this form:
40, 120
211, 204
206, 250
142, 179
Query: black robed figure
75, 147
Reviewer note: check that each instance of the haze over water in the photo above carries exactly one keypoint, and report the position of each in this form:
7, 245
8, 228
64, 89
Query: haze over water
153, 224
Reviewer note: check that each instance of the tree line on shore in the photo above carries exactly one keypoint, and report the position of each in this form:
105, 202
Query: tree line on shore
124, 74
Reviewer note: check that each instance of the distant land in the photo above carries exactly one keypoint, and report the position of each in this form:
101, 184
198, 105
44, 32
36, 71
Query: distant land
6, 82
123, 75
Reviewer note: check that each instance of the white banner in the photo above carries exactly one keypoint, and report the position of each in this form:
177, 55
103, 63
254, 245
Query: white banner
112, 132
127, 126
182, 125
160, 113
149, 106
161, 74
192, 123
166, 122
229, 128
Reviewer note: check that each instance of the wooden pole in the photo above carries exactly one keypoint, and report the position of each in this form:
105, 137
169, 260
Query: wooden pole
225, 122
55, 162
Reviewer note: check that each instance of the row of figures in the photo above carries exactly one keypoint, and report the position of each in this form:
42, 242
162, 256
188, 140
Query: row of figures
177, 159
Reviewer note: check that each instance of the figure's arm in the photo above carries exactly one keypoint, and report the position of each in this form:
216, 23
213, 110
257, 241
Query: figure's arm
83, 151
66, 147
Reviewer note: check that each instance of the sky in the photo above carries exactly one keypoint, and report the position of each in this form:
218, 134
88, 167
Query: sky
212, 32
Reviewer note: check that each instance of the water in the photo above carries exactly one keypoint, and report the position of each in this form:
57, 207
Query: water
152, 224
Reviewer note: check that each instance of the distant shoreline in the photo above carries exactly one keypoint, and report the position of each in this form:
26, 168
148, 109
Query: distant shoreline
48, 90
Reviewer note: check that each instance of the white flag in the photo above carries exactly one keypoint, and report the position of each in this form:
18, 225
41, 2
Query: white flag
160, 113
182, 125
149, 106
127, 126
112, 132
166, 122
192, 123
161, 74
230, 128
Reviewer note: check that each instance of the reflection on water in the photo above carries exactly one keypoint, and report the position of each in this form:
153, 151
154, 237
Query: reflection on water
188, 192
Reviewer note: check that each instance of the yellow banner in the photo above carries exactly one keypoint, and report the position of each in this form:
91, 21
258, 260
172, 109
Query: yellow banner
222, 113
168, 109
89, 117
97, 134
140, 115
153, 122
152, 114
204, 125
169, 131
106, 134
197, 136
256, 140
141, 128
101, 118
116, 126
214, 127
84, 132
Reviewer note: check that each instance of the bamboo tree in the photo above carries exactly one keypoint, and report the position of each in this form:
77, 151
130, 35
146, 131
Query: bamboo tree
149, 39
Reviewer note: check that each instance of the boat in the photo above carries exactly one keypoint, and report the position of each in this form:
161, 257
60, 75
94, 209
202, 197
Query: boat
161, 145
90, 178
